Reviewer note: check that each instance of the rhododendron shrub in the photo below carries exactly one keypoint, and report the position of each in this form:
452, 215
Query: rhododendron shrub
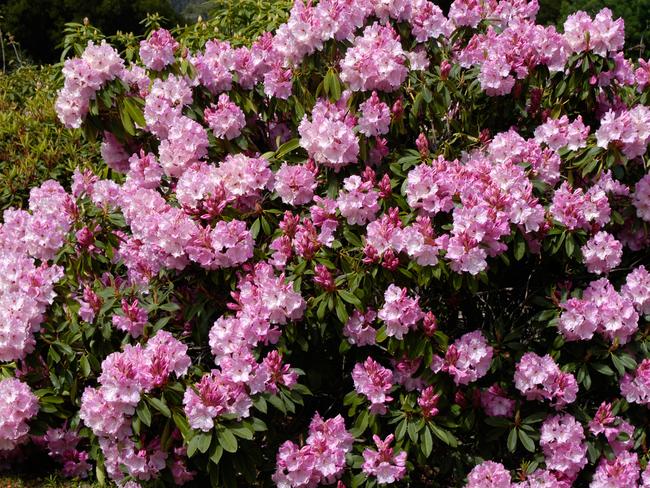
384, 244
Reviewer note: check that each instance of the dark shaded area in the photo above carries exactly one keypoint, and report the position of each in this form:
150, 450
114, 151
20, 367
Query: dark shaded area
38, 25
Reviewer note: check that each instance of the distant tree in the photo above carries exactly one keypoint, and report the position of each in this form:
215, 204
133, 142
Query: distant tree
38, 24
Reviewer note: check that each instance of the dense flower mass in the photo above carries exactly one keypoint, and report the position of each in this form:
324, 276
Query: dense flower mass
18, 405
429, 226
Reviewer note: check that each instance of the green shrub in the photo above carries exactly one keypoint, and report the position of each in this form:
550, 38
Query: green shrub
34, 146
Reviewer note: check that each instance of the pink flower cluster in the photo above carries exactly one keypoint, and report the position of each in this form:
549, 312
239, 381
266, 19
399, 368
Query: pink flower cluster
400, 313
641, 198
602, 253
629, 130
384, 463
489, 474
359, 330
605, 422
637, 289
108, 408
83, 77
358, 200
262, 300
563, 442
508, 55
158, 51
329, 137
295, 184
62, 446
623, 470
225, 119
164, 103
559, 133
602, 35
579, 209
373, 381
17, 405
186, 143
386, 237
376, 61
467, 359
494, 193
214, 395
601, 309
28, 240
320, 461
540, 378
496, 403
636, 387
132, 319
375, 116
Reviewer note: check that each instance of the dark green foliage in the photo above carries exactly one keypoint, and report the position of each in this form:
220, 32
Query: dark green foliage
38, 24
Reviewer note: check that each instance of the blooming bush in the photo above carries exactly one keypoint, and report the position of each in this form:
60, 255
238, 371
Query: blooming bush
381, 245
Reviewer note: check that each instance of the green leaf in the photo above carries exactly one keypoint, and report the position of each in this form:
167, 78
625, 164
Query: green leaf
216, 455
242, 432
227, 440
526, 441
144, 414
85, 366
427, 443
351, 298
520, 248
287, 147
512, 440
160, 405
444, 435
413, 431
341, 312
192, 446
204, 441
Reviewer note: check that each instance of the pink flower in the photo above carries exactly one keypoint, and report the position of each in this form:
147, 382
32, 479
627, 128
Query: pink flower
375, 116
629, 129
214, 66
637, 289
358, 201
295, 184
636, 386
329, 137
158, 51
17, 405
489, 474
359, 330
320, 461
428, 402
623, 470
641, 198
467, 359
133, 319
602, 253
376, 61
383, 463
186, 143
400, 313
215, 395
540, 378
225, 119
496, 403
563, 442
600, 35
374, 382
